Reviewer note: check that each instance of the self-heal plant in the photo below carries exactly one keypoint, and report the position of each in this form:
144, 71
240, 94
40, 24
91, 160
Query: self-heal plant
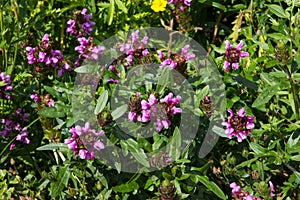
239, 125
158, 110
85, 141
233, 55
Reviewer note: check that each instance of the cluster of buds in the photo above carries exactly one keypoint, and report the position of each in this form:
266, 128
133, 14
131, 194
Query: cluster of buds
154, 109
239, 125
5, 86
45, 56
43, 100
85, 141
167, 191
104, 118
134, 51
15, 127
87, 49
182, 15
281, 53
47, 124
207, 106
161, 160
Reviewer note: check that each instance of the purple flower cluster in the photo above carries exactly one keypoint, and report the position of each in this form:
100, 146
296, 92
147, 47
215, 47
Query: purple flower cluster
88, 49
80, 23
155, 110
5, 86
239, 125
180, 3
45, 99
132, 45
175, 60
233, 55
45, 55
245, 195
85, 141
14, 127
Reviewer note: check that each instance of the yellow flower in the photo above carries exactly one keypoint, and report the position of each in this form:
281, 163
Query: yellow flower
159, 5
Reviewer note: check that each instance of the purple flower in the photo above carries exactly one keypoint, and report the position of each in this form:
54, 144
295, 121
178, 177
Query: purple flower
5, 85
233, 55
35, 97
51, 103
80, 22
14, 126
168, 62
239, 125
71, 27
135, 36
160, 54
85, 141
236, 189
145, 52
272, 189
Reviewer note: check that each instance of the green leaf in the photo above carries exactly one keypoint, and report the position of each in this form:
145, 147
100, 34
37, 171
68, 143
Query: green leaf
296, 158
126, 187
137, 152
164, 80
54, 146
118, 112
101, 103
61, 182
265, 96
174, 147
111, 11
278, 10
51, 91
51, 112
202, 169
245, 82
246, 163
121, 6
257, 148
219, 131
293, 139
212, 186
87, 69
218, 5
278, 36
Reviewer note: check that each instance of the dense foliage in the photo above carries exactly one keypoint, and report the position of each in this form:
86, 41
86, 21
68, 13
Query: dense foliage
95, 104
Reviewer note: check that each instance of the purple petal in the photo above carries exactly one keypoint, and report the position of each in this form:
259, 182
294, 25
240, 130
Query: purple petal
244, 54
98, 145
226, 66
241, 112
239, 46
227, 45
235, 66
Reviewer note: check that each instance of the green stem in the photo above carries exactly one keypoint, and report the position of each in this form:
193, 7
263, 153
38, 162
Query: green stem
295, 93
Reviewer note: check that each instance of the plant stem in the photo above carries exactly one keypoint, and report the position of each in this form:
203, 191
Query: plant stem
294, 91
